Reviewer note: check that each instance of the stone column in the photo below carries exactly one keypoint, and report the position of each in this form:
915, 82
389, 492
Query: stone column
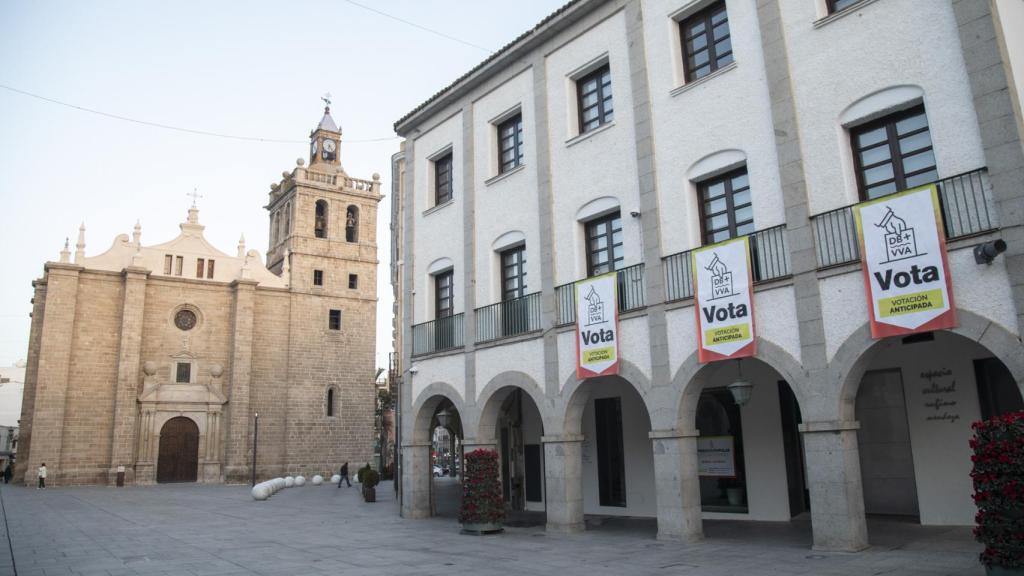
834, 480
677, 485
240, 416
563, 476
128, 362
416, 480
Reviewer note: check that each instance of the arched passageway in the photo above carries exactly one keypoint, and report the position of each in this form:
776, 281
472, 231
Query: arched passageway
178, 459
511, 421
433, 455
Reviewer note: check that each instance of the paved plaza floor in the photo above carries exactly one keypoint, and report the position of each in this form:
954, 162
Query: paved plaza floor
219, 530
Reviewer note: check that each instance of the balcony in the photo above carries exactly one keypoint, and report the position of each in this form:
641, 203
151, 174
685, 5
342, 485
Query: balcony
632, 290
967, 210
508, 318
769, 255
437, 335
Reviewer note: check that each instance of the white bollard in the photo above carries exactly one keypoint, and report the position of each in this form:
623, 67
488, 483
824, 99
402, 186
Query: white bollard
300, 480
336, 478
289, 481
318, 480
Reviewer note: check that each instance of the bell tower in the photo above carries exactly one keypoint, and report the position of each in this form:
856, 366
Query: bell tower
324, 140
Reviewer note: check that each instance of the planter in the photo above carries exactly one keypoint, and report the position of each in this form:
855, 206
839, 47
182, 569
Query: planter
736, 496
482, 528
369, 494
1003, 571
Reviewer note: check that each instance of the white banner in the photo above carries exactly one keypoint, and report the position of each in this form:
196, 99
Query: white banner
906, 273
723, 290
597, 326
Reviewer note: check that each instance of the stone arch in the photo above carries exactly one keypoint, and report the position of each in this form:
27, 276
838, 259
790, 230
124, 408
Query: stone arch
691, 376
352, 223
426, 404
716, 163
881, 102
853, 357
574, 400
493, 395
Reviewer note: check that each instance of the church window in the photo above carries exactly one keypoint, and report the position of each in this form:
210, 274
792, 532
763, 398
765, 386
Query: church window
352, 224
318, 277
200, 267
209, 269
179, 264
168, 262
334, 320
287, 218
184, 375
353, 281
320, 221
185, 319
330, 401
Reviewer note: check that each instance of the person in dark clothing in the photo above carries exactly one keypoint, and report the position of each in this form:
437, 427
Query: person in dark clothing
7, 474
344, 475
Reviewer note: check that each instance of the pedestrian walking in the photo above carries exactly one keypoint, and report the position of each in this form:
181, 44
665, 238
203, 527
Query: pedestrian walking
7, 473
344, 475
42, 476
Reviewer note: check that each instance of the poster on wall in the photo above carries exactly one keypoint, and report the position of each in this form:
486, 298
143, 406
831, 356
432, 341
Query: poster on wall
716, 457
723, 292
597, 326
906, 271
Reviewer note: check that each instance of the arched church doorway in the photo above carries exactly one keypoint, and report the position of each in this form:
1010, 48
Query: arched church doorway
179, 451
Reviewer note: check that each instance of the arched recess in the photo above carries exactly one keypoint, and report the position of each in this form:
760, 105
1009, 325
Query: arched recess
432, 462
716, 163
178, 456
574, 401
496, 391
597, 207
320, 219
425, 406
854, 356
880, 103
691, 377
762, 475
331, 402
352, 224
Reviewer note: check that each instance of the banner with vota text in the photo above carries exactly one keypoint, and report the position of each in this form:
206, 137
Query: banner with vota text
723, 293
597, 326
906, 271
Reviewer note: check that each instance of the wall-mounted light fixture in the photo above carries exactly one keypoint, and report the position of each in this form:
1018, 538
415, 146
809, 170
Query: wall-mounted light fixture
987, 252
741, 388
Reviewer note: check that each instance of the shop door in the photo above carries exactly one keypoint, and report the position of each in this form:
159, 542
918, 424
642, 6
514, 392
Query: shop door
886, 460
179, 451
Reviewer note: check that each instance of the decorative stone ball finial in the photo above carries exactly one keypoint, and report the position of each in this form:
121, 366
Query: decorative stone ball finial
286, 174
149, 368
216, 370
300, 161
274, 186
376, 176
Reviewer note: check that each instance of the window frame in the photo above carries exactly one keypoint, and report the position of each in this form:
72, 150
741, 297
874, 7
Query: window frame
321, 222
444, 294
705, 14
605, 115
518, 254
353, 281
830, 5
444, 191
178, 372
516, 136
318, 277
730, 207
896, 156
605, 220
334, 319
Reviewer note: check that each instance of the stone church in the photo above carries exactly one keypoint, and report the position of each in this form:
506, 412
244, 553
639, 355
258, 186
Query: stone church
156, 360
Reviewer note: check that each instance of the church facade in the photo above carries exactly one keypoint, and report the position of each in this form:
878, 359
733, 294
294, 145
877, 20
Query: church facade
178, 362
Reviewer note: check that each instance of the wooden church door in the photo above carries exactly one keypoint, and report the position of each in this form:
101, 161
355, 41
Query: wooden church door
179, 451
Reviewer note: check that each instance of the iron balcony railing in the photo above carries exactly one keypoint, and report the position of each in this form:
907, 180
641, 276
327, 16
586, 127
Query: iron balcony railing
967, 209
632, 288
437, 335
508, 318
769, 256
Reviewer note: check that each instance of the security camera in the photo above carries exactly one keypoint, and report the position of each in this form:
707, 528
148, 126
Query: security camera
413, 369
634, 213
987, 252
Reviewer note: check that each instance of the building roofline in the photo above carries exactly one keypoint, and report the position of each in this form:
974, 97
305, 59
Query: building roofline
551, 24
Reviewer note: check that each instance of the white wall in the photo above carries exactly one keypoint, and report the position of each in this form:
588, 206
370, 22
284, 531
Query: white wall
639, 465
880, 45
602, 163
509, 203
438, 234
942, 457
728, 112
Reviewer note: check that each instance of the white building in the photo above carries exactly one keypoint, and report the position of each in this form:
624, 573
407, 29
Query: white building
621, 135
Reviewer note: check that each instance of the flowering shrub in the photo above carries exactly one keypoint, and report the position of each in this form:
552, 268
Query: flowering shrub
481, 491
998, 475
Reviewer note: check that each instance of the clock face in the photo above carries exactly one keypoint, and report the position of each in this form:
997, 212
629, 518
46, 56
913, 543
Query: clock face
329, 146
185, 320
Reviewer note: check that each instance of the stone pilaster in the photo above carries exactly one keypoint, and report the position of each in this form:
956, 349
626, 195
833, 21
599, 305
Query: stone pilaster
31, 378
238, 433
51, 382
128, 362
416, 482
563, 475
834, 481
677, 484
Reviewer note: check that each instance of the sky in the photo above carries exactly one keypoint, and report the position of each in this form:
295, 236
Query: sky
248, 69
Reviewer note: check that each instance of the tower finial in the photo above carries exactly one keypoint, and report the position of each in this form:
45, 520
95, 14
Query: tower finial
65, 254
80, 245
195, 195
241, 246
137, 233
327, 101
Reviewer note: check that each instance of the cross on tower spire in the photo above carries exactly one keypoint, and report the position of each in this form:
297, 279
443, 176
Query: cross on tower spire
327, 101
195, 195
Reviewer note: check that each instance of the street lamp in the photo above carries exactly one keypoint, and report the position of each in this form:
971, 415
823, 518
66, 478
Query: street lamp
741, 388
255, 441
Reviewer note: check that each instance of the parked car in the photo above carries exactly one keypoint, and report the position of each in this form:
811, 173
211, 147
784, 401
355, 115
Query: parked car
437, 471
